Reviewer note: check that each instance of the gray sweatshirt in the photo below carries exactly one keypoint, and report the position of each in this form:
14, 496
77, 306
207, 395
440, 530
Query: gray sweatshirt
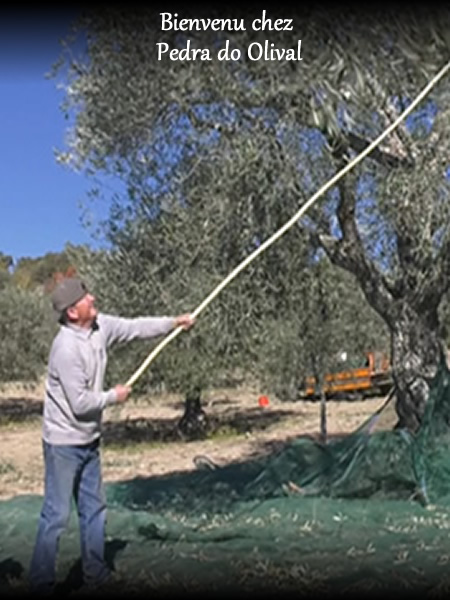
74, 396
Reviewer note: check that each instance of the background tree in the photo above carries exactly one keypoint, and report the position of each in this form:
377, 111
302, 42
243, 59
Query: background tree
27, 326
6, 263
326, 318
179, 128
31, 273
27, 323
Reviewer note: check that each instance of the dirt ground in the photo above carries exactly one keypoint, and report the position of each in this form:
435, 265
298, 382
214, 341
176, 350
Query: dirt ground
141, 438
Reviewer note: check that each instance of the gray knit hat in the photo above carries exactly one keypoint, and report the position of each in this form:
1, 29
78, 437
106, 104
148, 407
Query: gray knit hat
67, 292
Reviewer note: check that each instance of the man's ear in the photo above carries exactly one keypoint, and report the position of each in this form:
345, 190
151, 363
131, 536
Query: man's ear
72, 313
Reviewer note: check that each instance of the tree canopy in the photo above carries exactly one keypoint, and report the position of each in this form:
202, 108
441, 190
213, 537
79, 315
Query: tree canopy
243, 142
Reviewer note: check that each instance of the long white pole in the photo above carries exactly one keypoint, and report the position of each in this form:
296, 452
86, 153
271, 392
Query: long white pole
173, 334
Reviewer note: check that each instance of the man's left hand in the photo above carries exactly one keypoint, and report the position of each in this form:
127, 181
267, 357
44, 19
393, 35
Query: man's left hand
185, 321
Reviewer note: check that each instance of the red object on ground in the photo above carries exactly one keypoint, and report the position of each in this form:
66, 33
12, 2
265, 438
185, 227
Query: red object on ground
263, 401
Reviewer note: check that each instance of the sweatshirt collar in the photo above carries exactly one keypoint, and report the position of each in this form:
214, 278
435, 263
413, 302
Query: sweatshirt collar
82, 332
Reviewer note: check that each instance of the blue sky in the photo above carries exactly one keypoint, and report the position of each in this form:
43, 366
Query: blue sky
39, 199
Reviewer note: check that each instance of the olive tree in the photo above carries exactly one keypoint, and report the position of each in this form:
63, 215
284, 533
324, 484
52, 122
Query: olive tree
263, 134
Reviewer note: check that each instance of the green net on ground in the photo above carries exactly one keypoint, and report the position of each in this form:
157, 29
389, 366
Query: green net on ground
366, 464
366, 513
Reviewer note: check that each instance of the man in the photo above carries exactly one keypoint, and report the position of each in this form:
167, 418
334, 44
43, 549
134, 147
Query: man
73, 407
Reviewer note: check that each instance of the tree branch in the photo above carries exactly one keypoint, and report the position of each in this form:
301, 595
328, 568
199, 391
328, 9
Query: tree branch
349, 254
386, 159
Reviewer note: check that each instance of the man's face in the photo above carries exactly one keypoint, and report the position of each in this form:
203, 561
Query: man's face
83, 313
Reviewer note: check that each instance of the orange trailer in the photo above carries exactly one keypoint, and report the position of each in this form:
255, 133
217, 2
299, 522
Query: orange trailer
372, 378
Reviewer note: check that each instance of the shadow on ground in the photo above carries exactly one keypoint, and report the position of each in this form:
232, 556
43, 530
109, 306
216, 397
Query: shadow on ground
10, 569
145, 430
19, 410
74, 578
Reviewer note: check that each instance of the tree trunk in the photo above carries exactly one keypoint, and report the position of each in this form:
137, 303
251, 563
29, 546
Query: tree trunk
194, 421
416, 351
323, 417
412, 318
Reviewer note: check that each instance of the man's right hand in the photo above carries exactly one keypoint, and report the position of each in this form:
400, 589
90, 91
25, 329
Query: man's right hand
122, 392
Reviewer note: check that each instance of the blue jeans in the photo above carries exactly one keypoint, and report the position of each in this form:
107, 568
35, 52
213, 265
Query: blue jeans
71, 471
